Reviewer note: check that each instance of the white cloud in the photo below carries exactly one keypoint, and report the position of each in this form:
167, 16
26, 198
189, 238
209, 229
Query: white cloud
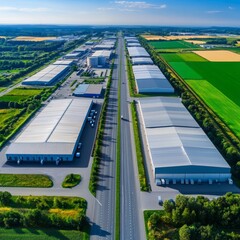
214, 11
106, 8
230, 8
140, 5
11, 9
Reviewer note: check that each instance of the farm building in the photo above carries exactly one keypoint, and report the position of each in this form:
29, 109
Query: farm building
137, 52
142, 61
178, 148
54, 134
149, 79
89, 90
48, 75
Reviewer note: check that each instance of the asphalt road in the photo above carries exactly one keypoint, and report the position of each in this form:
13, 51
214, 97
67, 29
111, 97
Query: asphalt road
132, 226
103, 222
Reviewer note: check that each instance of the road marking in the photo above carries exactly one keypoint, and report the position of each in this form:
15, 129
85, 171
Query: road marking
99, 202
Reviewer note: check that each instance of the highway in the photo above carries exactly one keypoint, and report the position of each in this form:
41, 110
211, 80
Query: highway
131, 218
103, 221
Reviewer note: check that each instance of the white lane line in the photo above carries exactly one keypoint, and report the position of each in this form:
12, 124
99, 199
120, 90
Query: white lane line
98, 202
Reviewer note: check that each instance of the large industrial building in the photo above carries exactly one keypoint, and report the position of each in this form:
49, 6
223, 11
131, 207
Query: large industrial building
142, 61
137, 52
149, 79
48, 75
89, 90
54, 134
64, 62
179, 150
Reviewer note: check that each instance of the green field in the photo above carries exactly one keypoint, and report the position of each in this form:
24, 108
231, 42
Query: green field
180, 57
172, 45
41, 234
18, 94
217, 83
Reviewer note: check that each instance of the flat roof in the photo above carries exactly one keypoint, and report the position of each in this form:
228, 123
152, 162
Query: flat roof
54, 130
88, 89
104, 53
136, 44
142, 61
137, 52
174, 137
63, 62
46, 75
150, 79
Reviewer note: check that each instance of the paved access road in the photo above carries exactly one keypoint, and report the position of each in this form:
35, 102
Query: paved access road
103, 221
132, 225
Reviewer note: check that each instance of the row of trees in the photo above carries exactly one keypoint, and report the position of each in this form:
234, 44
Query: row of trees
198, 218
227, 143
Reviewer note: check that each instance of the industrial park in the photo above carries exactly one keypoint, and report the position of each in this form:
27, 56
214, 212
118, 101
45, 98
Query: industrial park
119, 132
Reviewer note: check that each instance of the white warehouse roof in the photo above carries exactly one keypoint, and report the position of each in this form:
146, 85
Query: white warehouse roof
47, 75
136, 44
175, 139
150, 79
55, 129
104, 53
142, 61
137, 52
63, 62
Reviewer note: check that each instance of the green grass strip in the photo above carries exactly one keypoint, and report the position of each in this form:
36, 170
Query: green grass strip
139, 151
25, 180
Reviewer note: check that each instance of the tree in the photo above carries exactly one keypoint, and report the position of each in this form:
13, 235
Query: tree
5, 198
185, 233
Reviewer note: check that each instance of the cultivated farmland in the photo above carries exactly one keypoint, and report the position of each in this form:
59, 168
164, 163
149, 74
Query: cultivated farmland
33, 39
171, 45
219, 56
217, 83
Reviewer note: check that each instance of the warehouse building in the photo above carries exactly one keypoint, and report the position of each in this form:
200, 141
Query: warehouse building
64, 62
54, 134
149, 79
99, 58
137, 52
137, 44
89, 90
73, 55
142, 61
179, 150
48, 76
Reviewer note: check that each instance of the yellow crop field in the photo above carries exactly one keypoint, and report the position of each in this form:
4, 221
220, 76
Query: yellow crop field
153, 37
195, 41
219, 56
33, 39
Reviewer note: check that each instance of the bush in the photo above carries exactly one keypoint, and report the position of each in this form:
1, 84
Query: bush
71, 180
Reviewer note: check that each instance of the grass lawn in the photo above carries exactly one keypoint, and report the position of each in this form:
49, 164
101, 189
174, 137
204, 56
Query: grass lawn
94, 80
25, 180
41, 234
71, 180
172, 45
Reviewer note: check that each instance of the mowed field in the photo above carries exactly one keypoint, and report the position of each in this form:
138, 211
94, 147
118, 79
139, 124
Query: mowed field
33, 39
217, 83
172, 45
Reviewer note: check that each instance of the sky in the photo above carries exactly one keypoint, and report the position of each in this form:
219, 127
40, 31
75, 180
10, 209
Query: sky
105, 12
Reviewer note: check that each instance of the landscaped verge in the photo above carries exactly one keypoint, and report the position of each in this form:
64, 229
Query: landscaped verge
25, 180
71, 180
139, 151
99, 137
